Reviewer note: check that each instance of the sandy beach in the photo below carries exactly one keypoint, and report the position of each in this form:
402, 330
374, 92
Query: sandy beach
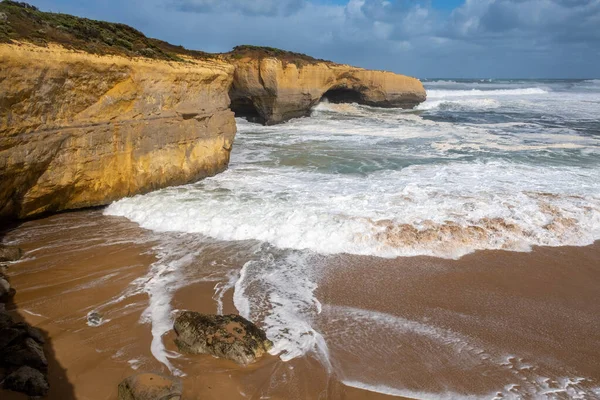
300, 199
490, 320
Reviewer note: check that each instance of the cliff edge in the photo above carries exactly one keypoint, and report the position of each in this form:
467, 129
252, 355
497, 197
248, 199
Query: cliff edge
92, 111
273, 86
78, 130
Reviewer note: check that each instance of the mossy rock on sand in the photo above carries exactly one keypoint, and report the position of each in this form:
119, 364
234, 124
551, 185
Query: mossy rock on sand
226, 336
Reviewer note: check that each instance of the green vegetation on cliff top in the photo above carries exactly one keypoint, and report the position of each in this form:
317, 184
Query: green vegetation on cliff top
259, 52
23, 22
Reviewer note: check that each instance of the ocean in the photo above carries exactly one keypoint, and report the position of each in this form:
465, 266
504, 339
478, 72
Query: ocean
479, 165
424, 253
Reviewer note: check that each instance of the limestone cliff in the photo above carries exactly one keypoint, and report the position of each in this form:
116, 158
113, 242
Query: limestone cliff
79, 130
275, 90
92, 111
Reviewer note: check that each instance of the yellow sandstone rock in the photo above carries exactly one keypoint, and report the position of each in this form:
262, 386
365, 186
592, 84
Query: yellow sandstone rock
278, 91
79, 130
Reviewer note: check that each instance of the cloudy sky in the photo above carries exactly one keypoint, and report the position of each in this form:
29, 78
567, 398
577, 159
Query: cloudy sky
424, 38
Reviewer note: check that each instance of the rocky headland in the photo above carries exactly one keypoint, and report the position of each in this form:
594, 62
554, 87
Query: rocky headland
91, 111
273, 87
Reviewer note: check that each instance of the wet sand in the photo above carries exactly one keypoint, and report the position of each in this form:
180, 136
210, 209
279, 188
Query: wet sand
422, 326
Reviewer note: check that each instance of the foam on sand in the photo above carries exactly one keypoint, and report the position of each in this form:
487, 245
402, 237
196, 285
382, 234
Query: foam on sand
507, 168
411, 394
378, 338
278, 290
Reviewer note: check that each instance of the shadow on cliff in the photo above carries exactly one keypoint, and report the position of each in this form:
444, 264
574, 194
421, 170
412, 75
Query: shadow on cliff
60, 387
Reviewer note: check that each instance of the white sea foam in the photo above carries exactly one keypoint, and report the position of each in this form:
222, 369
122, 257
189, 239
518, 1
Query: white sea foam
383, 182
221, 288
164, 278
592, 81
134, 364
278, 290
411, 394
434, 94
445, 210
159, 284
33, 313
471, 104
568, 388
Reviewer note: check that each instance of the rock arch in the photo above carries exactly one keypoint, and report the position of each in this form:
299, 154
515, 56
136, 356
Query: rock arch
278, 91
244, 107
343, 95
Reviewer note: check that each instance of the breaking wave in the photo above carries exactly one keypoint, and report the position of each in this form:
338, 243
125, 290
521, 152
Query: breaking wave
476, 92
463, 104
510, 171
441, 210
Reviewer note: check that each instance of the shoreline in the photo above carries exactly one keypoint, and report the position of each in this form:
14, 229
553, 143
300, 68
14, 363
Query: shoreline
97, 258
391, 238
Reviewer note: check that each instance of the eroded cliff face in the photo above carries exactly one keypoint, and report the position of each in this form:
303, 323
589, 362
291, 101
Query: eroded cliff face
78, 130
277, 91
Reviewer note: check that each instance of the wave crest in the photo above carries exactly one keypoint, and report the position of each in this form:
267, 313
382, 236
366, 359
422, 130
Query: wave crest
439, 210
477, 92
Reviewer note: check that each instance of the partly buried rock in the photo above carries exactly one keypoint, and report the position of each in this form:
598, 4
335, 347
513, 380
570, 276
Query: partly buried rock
150, 387
23, 330
10, 253
227, 336
6, 292
94, 318
27, 380
27, 352
5, 318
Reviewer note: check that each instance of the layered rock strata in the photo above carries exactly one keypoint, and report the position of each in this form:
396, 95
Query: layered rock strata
79, 130
92, 111
275, 91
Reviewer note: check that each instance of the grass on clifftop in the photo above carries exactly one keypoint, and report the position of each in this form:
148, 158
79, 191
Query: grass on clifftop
259, 52
22, 22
